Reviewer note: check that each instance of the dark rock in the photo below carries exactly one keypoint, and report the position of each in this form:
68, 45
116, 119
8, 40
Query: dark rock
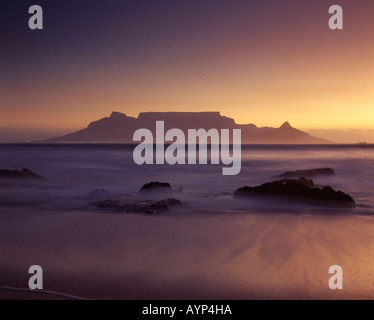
300, 188
157, 186
138, 206
24, 173
307, 173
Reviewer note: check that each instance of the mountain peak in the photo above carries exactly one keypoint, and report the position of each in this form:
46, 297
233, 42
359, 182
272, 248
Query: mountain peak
116, 114
285, 125
120, 128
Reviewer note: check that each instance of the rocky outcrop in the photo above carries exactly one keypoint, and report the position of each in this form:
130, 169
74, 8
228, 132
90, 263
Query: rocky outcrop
138, 206
156, 186
15, 174
307, 173
298, 188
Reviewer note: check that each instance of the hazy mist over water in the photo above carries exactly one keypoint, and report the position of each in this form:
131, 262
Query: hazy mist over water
217, 247
73, 171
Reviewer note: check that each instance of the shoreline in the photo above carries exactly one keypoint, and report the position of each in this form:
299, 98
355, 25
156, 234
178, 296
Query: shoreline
226, 257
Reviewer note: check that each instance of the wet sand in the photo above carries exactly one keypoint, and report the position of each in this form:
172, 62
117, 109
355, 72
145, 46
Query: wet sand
187, 256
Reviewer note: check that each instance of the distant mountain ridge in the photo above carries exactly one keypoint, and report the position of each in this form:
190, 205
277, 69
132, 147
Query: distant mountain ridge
119, 128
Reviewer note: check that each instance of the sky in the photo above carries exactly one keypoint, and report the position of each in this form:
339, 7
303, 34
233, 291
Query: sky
257, 61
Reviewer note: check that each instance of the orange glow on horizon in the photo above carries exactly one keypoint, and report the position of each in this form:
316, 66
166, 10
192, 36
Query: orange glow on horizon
284, 70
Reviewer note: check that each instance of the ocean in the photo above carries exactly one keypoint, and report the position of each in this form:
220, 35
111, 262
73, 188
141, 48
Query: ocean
217, 247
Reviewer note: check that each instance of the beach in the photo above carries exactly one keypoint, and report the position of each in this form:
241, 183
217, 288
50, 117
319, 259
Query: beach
217, 247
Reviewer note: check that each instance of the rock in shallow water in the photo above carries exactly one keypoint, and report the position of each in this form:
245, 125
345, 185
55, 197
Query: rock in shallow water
159, 187
138, 206
307, 173
301, 188
24, 173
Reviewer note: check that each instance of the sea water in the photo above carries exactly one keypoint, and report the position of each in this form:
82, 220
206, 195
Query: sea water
216, 247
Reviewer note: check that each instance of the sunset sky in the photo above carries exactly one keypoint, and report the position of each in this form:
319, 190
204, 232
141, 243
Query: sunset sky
262, 62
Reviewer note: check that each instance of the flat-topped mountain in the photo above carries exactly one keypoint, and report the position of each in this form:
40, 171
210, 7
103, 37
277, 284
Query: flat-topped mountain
119, 128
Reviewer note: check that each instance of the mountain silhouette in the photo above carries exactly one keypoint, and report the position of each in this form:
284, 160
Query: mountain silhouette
119, 128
